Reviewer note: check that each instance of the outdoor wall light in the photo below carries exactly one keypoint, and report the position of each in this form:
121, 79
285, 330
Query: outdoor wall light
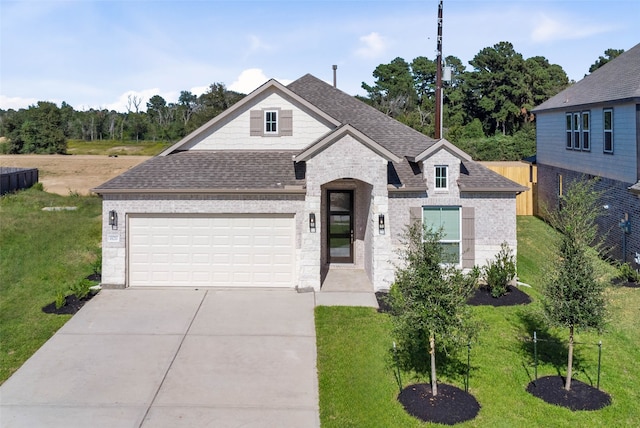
312, 222
381, 224
113, 219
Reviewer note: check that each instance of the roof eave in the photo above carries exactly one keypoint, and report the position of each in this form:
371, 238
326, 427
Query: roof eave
291, 190
517, 190
579, 106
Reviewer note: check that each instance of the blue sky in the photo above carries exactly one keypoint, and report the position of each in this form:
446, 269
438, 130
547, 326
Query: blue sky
93, 54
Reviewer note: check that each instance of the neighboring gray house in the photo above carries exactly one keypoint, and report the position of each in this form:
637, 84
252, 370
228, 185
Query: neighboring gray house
592, 129
290, 182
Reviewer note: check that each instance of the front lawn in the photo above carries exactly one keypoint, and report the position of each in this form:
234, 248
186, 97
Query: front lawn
358, 387
41, 252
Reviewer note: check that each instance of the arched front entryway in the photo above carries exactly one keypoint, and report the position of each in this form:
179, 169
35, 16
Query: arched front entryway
346, 242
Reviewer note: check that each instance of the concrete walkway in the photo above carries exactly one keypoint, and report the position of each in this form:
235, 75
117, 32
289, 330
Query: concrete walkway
173, 358
346, 287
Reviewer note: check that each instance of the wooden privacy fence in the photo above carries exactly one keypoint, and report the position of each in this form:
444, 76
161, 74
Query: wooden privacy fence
12, 179
522, 173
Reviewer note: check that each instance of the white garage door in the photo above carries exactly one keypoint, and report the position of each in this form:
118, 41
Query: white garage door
226, 251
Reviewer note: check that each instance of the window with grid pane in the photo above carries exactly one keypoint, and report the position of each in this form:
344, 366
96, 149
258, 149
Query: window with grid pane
270, 122
608, 130
586, 136
441, 177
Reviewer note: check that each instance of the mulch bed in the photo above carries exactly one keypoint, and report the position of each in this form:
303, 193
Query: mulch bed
383, 306
451, 406
514, 296
72, 305
580, 397
623, 283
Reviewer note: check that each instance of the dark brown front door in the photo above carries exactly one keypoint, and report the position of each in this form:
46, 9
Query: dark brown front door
340, 226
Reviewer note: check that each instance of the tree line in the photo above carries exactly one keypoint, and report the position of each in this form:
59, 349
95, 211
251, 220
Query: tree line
45, 127
486, 110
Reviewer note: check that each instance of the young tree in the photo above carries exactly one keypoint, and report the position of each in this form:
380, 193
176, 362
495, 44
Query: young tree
428, 303
573, 294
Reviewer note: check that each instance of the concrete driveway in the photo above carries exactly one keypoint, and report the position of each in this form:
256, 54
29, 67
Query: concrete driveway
173, 358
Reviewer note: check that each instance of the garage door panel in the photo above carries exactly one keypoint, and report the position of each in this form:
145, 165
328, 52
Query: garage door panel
211, 251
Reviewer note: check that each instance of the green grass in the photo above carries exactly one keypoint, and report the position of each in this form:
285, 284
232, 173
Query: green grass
41, 252
358, 387
116, 147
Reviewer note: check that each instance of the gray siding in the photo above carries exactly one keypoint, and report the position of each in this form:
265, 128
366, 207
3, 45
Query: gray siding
621, 165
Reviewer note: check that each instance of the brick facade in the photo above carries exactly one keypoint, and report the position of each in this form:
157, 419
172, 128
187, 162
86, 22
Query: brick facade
616, 198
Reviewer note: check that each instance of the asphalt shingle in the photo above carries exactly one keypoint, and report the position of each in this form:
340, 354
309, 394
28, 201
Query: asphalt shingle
619, 79
240, 170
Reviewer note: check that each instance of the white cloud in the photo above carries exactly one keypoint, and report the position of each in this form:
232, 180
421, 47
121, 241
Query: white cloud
374, 45
16, 103
548, 29
248, 80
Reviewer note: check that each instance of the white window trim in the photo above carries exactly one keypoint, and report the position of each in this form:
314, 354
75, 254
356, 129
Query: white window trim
607, 131
569, 131
575, 132
446, 178
277, 123
576, 126
587, 131
449, 241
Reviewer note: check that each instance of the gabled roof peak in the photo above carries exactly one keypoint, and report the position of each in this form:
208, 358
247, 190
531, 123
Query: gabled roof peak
441, 144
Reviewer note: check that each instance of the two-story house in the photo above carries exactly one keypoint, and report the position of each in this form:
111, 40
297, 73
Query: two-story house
592, 129
293, 181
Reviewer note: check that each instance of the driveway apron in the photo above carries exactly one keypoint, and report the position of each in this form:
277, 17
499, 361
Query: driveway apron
173, 358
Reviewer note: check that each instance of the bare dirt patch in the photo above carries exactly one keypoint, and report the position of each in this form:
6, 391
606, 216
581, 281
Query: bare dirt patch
73, 173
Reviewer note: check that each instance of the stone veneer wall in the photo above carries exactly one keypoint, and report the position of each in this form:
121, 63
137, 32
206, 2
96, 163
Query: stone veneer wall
114, 242
495, 219
615, 195
347, 158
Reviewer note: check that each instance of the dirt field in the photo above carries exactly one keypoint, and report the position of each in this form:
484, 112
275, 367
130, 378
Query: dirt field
76, 173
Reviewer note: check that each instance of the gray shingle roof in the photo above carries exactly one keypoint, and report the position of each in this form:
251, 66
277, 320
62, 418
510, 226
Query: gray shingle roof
475, 177
399, 138
211, 171
242, 170
617, 80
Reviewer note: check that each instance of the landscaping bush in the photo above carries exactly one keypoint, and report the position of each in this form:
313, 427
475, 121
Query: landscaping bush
500, 271
627, 273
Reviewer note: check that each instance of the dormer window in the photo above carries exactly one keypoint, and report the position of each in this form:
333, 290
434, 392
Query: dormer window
271, 122
441, 177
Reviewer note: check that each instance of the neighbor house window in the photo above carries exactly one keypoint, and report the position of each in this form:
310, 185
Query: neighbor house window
441, 177
608, 130
576, 131
271, 122
586, 140
447, 220
577, 128
569, 144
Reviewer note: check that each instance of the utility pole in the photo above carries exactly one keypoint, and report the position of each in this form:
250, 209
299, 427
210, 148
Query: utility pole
438, 124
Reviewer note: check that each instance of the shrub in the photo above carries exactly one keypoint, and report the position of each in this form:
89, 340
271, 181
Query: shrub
500, 271
627, 273
61, 299
81, 288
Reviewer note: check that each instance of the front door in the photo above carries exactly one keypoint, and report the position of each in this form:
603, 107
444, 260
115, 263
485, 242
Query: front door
340, 226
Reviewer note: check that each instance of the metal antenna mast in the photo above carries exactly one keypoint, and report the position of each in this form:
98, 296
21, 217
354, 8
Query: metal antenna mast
438, 125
